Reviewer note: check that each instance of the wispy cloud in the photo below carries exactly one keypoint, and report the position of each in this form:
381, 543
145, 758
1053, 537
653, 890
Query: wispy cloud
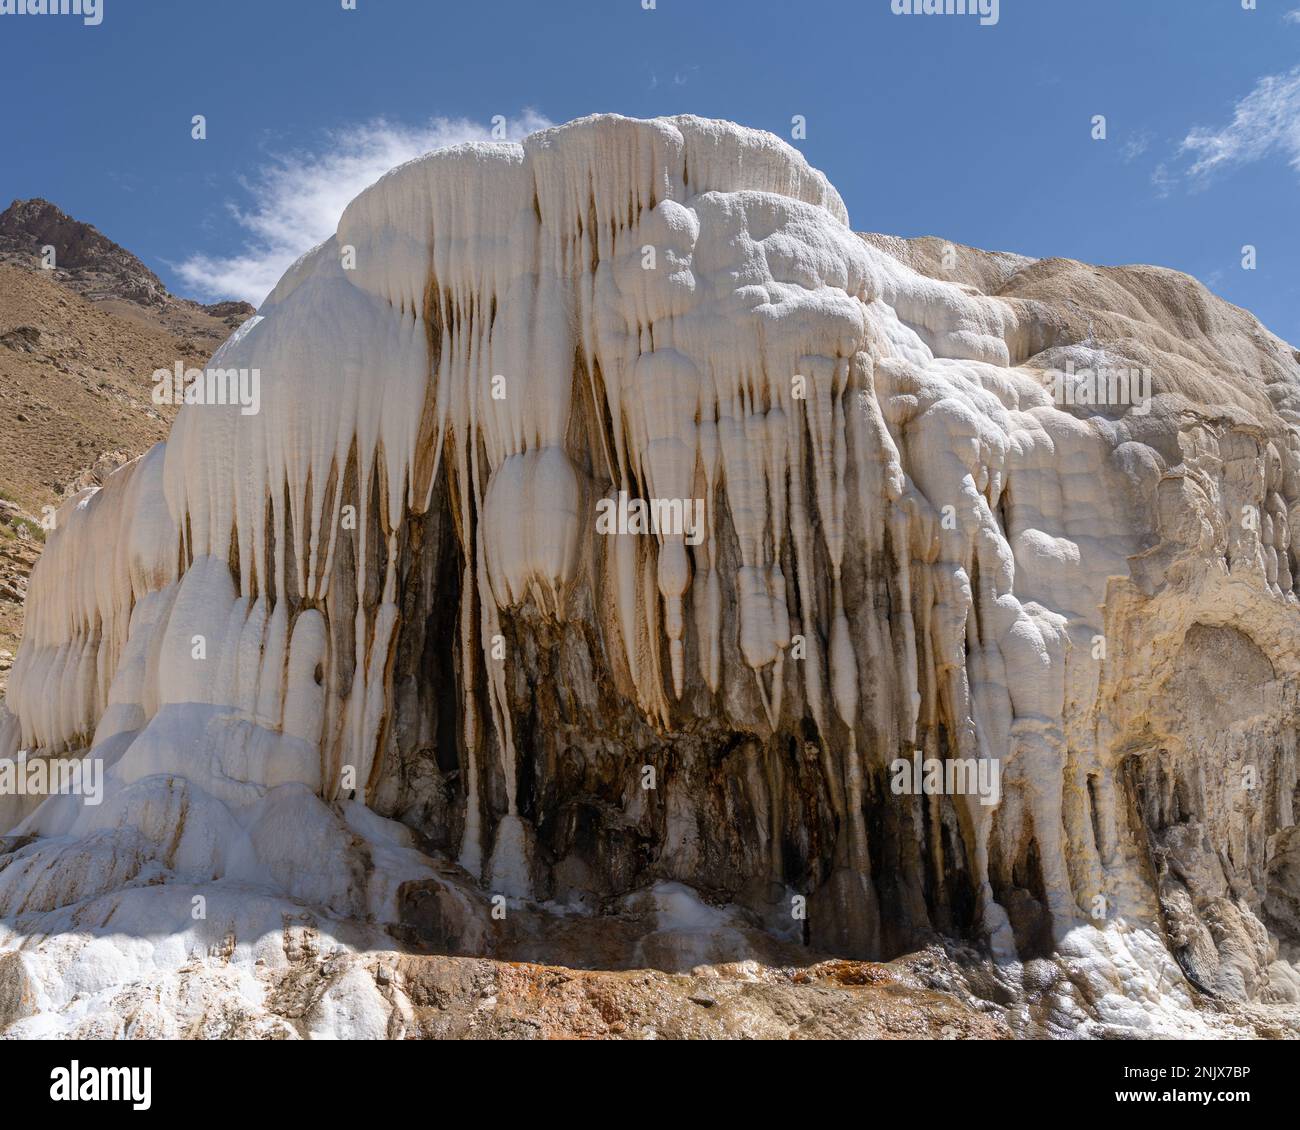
1136, 145
295, 200
1163, 181
1293, 16
1265, 122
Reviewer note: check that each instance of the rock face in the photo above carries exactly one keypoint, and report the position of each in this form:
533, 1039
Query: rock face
99, 265
90, 263
966, 611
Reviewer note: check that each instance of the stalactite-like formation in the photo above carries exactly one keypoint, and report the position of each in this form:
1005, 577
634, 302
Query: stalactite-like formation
388, 588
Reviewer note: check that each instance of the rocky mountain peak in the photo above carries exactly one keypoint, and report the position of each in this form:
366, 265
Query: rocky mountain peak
88, 261
80, 251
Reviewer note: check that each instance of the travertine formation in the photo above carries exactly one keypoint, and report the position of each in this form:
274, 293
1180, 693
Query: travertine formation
1031, 519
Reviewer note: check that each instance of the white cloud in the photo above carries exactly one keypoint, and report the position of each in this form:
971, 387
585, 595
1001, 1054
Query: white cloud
1293, 16
295, 201
1266, 121
1136, 145
1163, 180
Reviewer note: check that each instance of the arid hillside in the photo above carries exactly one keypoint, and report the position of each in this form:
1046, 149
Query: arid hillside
78, 343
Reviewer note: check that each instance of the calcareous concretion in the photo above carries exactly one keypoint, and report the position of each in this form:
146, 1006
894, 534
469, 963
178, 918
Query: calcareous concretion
911, 544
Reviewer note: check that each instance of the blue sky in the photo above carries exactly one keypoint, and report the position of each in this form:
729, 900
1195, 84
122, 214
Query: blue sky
926, 124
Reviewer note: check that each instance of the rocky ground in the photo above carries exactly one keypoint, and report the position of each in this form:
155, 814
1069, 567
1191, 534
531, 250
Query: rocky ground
317, 977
